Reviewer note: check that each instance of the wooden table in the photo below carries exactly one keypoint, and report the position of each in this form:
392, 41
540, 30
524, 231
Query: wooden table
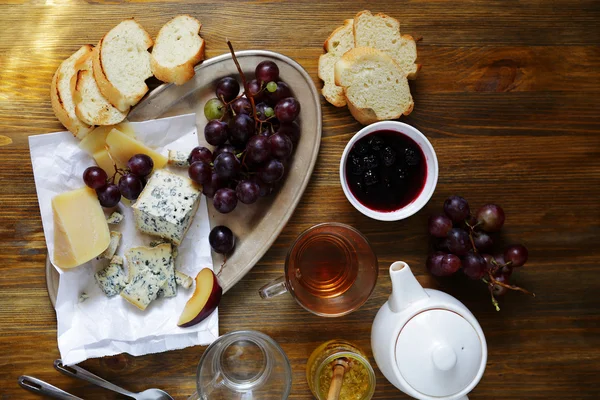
509, 96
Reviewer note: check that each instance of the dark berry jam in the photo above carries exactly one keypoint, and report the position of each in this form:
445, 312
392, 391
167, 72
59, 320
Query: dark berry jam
386, 170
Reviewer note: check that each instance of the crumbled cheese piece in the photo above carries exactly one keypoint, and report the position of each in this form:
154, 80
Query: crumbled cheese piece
115, 239
183, 280
178, 158
112, 278
115, 218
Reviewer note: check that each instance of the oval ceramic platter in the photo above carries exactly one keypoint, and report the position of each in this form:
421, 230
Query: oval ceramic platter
256, 226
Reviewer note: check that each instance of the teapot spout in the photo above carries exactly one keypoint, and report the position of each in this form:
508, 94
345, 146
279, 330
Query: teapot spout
406, 290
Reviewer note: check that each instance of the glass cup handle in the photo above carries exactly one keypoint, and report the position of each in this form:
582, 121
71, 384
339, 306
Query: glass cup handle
273, 288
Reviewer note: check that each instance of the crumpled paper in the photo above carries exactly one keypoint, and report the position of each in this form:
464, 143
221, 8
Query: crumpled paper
89, 323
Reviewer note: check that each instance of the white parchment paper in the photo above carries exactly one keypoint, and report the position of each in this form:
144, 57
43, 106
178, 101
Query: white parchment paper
101, 326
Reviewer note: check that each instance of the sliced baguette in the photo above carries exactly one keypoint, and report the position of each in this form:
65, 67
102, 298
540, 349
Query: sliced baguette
177, 49
340, 41
122, 64
61, 95
90, 105
375, 86
383, 33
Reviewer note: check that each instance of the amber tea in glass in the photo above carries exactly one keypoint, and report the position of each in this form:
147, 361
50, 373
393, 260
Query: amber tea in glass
330, 270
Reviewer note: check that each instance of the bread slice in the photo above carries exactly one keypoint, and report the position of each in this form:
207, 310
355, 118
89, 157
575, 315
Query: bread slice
90, 105
340, 41
383, 33
61, 95
177, 49
375, 86
122, 64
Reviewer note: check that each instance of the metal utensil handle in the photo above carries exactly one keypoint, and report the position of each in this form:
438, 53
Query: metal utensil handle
78, 372
44, 389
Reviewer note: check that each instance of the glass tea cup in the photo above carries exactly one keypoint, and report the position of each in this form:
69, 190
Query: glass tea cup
246, 365
330, 270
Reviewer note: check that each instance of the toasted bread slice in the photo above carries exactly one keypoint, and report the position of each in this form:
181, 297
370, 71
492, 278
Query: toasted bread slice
383, 33
177, 49
375, 86
61, 95
90, 105
340, 41
122, 64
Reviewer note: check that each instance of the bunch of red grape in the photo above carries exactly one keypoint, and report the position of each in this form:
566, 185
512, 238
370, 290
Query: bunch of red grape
130, 185
254, 136
464, 241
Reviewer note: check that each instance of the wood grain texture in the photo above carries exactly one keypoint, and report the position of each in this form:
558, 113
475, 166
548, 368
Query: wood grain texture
508, 95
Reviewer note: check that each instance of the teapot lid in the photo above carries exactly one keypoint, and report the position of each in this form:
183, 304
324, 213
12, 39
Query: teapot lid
439, 353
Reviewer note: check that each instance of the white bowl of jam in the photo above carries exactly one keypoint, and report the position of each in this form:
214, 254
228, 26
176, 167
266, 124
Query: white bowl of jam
389, 170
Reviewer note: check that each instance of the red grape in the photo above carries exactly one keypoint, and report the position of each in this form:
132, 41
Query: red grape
282, 91
247, 192
281, 146
292, 130
516, 254
130, 186
457, 208
498, 290
242, 106
226, 165
200, 153
483, 241
200, 172
221, 239
263, 111
225, 200
140, 165
215, 183
216, 132
109, 195
258, 149
265, 189
458, 241
440, 264
255, 91
490, 217
227, 89
267, 71
225, 148
241, 129
94, 177
287, 109
474, 265
271, 172
439, 225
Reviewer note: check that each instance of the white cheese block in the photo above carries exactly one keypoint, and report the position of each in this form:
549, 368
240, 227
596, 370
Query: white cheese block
148, 268
178, 158
166, 206
112, 279
115, 218
115, 239
183, 280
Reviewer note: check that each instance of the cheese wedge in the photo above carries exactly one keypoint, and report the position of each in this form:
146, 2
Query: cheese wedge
123, 147
96, 139
80, 229
104, 161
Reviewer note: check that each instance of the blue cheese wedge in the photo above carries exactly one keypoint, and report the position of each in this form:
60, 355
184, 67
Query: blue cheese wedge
115, 218
148, 268
167, 206
115, 239
183, 280
170, 288
112, 279
178, 159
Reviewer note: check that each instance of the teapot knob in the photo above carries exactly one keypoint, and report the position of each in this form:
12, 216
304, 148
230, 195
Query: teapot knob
444, 357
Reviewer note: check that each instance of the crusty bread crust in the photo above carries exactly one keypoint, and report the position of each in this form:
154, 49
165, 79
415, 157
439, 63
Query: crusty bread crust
332, 93
119, 100
182, 72
77, 127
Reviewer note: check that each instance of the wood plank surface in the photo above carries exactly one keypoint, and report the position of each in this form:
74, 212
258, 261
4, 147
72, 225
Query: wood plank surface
509, 96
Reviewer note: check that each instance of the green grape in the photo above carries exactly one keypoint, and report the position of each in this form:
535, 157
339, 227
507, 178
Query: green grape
214, 109
269, 112
272, 87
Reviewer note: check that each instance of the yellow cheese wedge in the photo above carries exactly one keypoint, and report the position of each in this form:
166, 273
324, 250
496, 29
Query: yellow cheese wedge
122, 147
80, 229
96, 139
106, 163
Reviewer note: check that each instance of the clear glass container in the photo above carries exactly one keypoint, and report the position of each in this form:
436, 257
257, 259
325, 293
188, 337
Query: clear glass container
246, 365
359, 379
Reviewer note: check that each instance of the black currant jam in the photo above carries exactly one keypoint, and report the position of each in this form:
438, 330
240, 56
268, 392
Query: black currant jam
386, 170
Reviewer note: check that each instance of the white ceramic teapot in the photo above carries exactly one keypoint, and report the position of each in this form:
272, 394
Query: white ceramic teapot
426, 342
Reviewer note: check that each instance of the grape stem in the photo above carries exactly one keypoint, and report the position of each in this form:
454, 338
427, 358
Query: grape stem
511, 287
244, 82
